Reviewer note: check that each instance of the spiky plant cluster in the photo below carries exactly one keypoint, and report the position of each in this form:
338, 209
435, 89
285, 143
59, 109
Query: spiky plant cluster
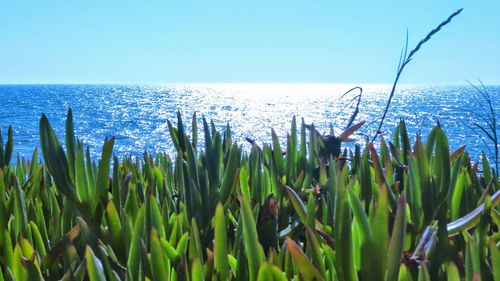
403, 211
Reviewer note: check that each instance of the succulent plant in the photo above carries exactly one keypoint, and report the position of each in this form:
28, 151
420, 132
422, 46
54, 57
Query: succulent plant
402, 211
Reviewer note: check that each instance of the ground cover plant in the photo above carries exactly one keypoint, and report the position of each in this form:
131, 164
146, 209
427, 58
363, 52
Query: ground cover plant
404, 210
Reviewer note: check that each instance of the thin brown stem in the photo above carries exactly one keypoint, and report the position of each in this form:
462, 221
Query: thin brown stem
406, 60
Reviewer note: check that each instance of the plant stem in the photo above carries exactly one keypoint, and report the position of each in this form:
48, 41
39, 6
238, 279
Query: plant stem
406, 60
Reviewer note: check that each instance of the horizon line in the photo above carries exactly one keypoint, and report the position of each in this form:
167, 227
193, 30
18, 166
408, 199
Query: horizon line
466, 83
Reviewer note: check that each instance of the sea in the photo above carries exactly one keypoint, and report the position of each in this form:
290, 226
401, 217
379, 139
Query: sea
136, 115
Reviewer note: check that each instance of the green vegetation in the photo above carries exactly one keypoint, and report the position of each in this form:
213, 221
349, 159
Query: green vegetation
401, 211
486, 123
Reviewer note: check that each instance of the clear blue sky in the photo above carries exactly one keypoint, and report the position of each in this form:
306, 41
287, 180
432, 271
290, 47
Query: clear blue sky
245, 41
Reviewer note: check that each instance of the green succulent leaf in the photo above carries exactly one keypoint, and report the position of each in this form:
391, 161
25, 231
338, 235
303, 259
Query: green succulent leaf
134, 263
229, 174
60, 247
196, 271
55, 158
102, 184
396, 245
95, 268
297, 204
253, 249
70, 142
158, 260
220, 241
19, 269
495, 258
301, 263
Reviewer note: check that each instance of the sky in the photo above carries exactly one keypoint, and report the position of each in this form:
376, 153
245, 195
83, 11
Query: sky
246, 41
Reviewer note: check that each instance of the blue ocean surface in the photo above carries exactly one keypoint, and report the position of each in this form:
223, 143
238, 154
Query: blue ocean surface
137, 114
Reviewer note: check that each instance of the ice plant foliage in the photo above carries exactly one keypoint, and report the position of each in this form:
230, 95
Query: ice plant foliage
392, 210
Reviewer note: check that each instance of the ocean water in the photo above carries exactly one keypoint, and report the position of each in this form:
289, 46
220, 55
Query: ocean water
137, 114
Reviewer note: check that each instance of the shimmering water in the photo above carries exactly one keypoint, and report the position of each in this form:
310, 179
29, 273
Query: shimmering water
137, 115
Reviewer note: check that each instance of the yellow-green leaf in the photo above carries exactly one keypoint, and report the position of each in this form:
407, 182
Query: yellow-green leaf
304, 266
254, 251
404, 273
265, 272
452, 272
19, 270
94, 266
196, 271
220, 247
396, 245
158, 261
297, 204
495, 259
